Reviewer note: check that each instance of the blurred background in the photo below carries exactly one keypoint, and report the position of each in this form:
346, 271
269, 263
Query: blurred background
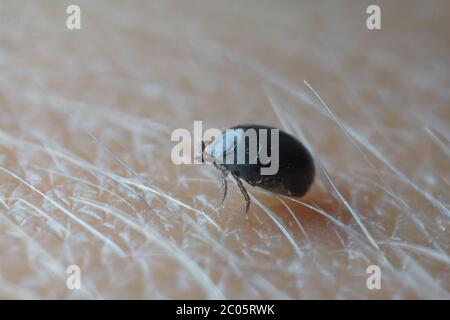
86, 178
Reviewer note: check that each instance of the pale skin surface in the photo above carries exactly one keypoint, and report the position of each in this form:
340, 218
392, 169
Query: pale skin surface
78, 106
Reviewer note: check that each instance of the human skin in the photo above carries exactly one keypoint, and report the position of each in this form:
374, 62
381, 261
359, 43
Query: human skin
86, 176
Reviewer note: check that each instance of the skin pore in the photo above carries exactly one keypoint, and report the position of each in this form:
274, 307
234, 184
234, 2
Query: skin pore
86, 177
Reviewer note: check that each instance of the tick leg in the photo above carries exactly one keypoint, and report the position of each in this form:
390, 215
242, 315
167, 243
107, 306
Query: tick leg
203, 151
224, 176
224, 186
243, 191
202, 156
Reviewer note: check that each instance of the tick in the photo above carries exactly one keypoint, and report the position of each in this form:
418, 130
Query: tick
262, 156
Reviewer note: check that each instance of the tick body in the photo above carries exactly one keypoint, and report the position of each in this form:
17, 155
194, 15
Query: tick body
264, 157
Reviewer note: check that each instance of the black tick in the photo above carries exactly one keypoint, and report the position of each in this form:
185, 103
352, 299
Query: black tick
245, 151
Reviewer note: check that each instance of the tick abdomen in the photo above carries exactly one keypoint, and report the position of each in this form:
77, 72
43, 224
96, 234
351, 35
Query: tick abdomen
295, 164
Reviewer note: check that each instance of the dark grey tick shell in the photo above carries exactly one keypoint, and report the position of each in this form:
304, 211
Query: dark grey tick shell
295, 168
